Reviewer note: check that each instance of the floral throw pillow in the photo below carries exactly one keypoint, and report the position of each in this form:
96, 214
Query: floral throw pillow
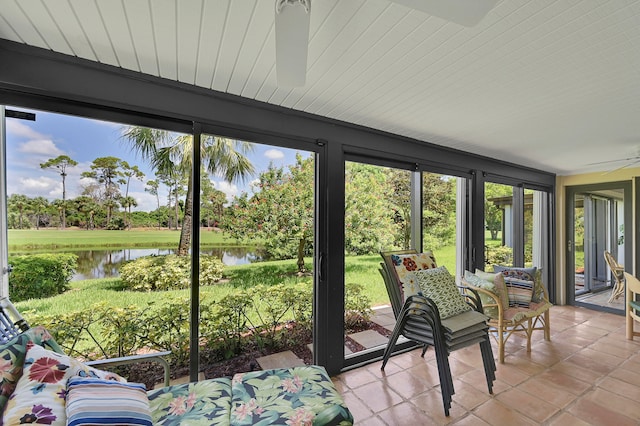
440, 286
406, 265
12, 355
39, 396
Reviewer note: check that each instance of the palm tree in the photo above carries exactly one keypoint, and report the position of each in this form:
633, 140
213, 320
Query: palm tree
152, 188
61, 162
20, 203
166, 152
126, 203
39, 205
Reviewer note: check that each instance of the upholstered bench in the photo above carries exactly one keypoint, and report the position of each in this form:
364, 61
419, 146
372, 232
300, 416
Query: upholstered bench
43, 386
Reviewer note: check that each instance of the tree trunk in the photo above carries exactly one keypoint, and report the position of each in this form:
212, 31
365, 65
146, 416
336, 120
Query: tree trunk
64, 201
177, 207
185, 232
301, 244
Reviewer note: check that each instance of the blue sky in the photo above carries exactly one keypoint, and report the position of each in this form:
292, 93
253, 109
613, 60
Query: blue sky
30, 143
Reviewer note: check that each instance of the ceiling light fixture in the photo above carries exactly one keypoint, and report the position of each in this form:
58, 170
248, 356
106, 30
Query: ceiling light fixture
292, 41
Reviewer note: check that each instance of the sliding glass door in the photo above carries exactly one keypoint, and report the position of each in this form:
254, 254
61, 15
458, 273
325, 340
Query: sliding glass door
598, 221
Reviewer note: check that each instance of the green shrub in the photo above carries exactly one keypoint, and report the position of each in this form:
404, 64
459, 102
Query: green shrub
170, 272
266, 316
357, 306
165, 327
37, 276
501, 255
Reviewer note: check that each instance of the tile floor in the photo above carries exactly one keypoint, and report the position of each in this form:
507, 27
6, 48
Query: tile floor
588, 374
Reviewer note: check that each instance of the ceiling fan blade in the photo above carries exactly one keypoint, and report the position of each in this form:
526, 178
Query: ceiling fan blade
292, 41
613, 161
633, 163
463, 12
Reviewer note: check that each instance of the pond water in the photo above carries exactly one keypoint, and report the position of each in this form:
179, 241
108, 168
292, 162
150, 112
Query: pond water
106, 263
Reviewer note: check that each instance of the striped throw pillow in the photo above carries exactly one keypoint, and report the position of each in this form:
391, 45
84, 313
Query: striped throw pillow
519, 283
93, 401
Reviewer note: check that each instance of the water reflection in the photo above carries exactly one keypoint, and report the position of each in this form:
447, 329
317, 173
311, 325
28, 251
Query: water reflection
106, 263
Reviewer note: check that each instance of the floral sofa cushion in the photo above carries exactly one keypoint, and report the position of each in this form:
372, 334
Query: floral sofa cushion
192, 403
294, 396
297, 396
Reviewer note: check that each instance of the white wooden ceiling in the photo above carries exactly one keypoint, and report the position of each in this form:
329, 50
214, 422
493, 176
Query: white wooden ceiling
553, 85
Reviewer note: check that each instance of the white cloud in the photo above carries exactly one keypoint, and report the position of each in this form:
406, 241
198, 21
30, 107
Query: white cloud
230, 189
254, 184
19, 129
44, 147
274, 154
146, 202
42, 186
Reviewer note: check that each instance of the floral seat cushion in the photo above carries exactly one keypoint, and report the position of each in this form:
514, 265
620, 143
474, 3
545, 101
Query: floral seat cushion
205, 402
294, 396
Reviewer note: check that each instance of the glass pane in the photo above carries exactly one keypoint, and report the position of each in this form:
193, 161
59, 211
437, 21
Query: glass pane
599, 227
262, 226
498, 219
83, 208
439, 218
529, 227
377, 218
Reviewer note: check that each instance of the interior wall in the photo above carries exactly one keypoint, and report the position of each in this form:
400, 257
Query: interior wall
562, 182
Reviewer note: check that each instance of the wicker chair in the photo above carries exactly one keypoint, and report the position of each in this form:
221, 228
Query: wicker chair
618, 274
506, 320
632, 309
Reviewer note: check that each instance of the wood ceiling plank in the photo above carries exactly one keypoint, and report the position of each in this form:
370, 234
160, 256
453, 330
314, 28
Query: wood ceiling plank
93, 27
46, 26
142, 36
214, 16
118, 29
163, 20
21, 25
259, 41
236, 27
67, 22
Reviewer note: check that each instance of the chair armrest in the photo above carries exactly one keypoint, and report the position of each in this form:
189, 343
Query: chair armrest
495, 299
488, 293
472, 297
133, 359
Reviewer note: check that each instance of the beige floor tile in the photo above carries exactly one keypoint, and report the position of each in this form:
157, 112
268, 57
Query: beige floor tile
377, 396
567, 419
595, 414
527, 404
404, 414
547, 392
588, 374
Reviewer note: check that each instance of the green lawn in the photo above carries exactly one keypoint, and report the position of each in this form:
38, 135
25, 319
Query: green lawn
20, 239
358, 269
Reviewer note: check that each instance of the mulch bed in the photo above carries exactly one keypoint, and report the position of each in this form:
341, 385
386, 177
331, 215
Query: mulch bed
150, 373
